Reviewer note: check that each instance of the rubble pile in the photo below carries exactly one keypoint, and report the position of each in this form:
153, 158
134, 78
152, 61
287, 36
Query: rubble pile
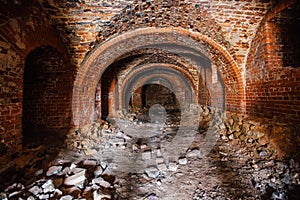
229, 157
282, 138
66, 181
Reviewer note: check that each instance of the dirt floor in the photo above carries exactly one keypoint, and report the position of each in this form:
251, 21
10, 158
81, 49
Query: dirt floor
113, 163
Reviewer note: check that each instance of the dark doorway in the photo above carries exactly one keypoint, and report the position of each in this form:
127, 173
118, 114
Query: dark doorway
47, 95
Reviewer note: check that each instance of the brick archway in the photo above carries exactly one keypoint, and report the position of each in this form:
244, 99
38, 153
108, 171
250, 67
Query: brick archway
106, 53
173, 77
141, 75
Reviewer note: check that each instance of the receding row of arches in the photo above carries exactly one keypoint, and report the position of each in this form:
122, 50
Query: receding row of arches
137, 81
132, 84
171, 74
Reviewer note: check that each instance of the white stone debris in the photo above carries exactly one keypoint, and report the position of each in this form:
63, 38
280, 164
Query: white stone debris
44, 196
53, 170
173, 166
48, 186
90, 162
99, 196
66, 197
193, 153
182, 161
162, 167
35, 190
58, 192
152, 172
13, 194
77, 179
135, 147
100, 181
98, 171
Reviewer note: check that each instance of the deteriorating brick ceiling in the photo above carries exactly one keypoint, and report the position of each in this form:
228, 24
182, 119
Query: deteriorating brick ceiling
81, 21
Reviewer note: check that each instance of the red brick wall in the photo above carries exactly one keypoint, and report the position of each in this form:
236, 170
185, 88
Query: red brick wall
24, 27
273, 88
10, 98
47, 91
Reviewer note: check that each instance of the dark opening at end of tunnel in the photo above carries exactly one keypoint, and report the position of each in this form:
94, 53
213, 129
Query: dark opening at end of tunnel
150, 96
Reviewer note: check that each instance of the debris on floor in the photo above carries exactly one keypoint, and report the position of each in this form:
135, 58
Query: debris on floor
103, 161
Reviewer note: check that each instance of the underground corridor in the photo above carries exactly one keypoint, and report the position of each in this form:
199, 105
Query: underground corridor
149, 100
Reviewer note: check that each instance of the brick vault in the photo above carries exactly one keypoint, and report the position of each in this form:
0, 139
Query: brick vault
70, 69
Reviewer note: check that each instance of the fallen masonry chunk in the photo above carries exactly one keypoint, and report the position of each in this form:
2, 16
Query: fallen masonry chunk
100, 181
150, 196
193, 153
98, 171
98, 195
152, 172
173, 166
159, 154
44, 196
35, 190
223, 153
95, 187
48, 186
53, 170
162, 167
103, 164
65, 171
58, 192
66, 197
13, 194
76, 179
77, 170
120, 134
127, 137
73, 166
255, 166
135, 147
117, 141
90, 162
182, 161
158, 182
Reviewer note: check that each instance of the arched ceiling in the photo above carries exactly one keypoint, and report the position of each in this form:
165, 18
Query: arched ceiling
106, 53
230, 23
